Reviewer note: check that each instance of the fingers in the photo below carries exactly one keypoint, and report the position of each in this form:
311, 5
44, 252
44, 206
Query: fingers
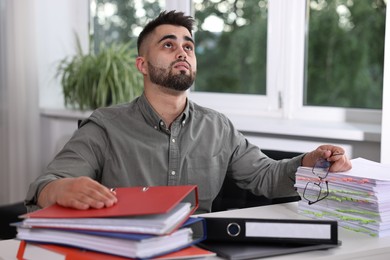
83, 193
334, 154
330, 151
340, 164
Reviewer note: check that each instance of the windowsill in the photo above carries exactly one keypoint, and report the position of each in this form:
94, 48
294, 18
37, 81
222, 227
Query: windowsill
272, 126
308, 128
64, 113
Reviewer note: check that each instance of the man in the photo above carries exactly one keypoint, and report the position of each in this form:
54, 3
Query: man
162, 138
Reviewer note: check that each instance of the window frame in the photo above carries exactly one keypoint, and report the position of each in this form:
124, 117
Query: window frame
286, 41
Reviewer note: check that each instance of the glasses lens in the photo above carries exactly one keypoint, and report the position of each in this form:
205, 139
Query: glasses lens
315, 192
321, 168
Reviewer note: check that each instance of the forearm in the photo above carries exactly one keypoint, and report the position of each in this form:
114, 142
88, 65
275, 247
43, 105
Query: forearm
31, 200
47, 196
270, 178
281, 178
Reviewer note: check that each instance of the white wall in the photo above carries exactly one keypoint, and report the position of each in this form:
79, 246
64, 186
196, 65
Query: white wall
56, 25
19, 111
35, 35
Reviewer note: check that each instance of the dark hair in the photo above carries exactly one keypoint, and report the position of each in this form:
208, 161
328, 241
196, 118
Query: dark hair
171, 17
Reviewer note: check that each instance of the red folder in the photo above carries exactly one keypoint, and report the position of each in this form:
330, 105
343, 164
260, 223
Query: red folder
132, 201
154, 210
43, 251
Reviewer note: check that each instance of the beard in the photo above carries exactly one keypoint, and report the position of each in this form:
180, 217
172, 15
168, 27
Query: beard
166, 78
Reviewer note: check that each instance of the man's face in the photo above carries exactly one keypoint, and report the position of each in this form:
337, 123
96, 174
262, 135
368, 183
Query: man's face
170, 57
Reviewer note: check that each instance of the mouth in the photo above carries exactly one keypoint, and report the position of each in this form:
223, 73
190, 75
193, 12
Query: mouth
182, 65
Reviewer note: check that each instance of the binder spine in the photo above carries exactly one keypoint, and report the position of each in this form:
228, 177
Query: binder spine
272, 230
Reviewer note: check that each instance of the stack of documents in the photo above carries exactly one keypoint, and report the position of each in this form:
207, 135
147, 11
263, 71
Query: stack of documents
358, 199
145, 223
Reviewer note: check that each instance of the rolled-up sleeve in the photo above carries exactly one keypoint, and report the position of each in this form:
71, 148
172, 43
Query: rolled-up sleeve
256, 172
81, 156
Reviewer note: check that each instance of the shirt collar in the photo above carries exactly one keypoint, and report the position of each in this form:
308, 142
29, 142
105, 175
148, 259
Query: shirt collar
153, 119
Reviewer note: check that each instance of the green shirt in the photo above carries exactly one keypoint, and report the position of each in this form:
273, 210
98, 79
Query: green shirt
129, 145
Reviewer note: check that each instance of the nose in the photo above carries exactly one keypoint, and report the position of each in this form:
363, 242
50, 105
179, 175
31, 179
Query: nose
181, 54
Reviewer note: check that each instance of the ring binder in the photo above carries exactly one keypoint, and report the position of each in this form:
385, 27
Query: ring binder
233, 229
297, 231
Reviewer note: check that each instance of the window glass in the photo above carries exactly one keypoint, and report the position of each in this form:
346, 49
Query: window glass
344, 48
121, 20
345, 53
231, 39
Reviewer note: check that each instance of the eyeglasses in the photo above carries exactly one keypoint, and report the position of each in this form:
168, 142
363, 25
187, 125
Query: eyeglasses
317, 191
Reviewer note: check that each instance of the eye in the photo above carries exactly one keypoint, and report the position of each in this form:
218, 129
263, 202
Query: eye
188, 48
168, 45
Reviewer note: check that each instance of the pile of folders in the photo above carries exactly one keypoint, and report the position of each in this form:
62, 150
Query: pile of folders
158, 223
358, 199
147, 222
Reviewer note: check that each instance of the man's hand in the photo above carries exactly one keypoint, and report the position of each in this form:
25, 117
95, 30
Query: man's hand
78, 193
334, 154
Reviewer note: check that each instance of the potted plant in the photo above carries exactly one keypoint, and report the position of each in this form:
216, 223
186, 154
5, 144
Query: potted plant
94, 80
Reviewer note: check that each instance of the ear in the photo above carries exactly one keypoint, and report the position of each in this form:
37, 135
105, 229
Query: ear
141, 65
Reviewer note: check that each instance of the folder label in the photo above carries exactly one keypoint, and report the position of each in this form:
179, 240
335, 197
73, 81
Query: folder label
287, 230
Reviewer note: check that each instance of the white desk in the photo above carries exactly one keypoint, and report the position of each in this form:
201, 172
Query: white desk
8, 249
354, 245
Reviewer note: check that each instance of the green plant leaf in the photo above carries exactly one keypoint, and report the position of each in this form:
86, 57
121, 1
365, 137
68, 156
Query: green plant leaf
92, 80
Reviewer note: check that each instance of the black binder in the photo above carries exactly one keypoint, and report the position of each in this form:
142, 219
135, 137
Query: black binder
252, 250
292, 231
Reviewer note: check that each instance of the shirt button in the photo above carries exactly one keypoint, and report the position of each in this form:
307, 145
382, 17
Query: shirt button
173, 172
173, 140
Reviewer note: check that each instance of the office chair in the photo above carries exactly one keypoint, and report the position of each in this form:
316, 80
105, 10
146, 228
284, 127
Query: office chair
10, 214
233, 197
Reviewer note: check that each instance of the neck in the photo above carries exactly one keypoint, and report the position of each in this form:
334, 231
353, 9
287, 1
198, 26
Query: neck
169, 104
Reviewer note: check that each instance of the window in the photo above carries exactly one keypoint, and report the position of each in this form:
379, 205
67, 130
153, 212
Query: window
291, 59
121, 20
231, 41
345, 53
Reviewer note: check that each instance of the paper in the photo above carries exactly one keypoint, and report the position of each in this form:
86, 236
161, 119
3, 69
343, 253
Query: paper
366, 169
358, 199
154, 224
